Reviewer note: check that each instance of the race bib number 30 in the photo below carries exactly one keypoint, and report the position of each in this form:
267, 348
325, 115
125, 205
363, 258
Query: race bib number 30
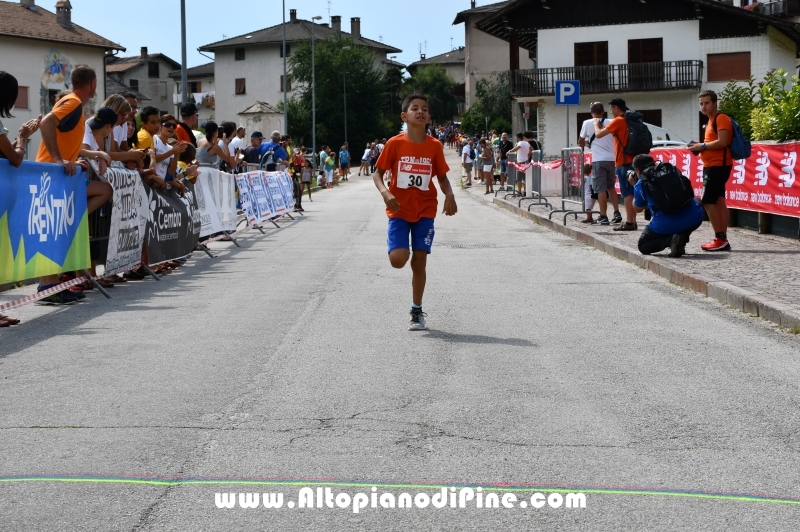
414, 175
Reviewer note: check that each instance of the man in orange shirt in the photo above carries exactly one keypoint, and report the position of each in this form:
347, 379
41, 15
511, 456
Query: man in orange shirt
717, 164
411, 199
188, 122
623, 162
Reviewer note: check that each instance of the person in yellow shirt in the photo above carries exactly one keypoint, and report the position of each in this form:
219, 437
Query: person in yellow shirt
150, 126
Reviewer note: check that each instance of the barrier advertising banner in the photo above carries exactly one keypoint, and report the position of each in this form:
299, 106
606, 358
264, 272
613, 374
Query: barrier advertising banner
128, 220
246, 198
44, 227
272, 181
173, 223
216, 201
262, 200
287, 188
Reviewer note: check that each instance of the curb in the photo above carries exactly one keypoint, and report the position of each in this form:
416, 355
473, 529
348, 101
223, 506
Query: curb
712, 287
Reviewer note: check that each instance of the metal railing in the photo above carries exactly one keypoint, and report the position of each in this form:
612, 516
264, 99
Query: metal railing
780, 8
598, 79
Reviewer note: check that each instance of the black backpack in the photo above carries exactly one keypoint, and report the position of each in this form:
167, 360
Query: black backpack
640, 141
667, 187
472, 154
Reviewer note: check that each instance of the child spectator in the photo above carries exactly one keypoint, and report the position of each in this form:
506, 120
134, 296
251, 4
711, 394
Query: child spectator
589, 195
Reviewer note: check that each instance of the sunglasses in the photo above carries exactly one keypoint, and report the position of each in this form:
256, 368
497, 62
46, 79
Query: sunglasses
170, 125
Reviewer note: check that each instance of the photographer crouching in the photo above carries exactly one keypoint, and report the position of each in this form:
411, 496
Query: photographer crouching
670, 198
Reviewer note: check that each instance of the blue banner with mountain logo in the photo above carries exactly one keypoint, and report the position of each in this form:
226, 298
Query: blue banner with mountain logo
44, 228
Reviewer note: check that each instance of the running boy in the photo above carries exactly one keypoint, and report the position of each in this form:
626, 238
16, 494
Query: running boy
411, 199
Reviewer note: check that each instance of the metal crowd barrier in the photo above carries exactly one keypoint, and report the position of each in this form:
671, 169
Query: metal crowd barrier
533, 184
99, 231
511, 177
572, 183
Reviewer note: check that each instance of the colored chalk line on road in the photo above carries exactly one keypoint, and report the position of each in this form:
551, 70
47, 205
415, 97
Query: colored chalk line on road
598, 490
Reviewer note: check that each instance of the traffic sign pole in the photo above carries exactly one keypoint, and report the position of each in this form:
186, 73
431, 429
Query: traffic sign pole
568, 92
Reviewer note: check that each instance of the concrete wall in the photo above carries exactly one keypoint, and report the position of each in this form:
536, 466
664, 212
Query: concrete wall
486, 56
25, 60
159, 90
681, 41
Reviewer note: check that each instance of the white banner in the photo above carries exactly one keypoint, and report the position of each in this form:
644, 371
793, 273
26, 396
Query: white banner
128, 219
287, 189
216, 201
272, 179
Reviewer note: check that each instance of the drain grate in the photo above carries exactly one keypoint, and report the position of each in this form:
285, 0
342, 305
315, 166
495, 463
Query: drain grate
470, 246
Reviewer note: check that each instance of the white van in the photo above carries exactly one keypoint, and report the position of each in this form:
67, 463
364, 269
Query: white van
660, 134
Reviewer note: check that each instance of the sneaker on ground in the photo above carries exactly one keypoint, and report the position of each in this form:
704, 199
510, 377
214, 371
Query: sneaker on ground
417, 322
716, 245
65, 297
617, 218
626, 227
603, 220
677, 248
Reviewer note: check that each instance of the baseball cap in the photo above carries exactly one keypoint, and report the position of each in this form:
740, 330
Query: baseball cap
619, 102
256, 135
188, 109
105, 116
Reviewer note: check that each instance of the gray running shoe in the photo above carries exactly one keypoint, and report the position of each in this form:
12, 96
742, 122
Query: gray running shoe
417, 322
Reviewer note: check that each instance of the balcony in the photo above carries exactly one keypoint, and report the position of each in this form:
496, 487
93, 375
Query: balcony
600, 79
779, 8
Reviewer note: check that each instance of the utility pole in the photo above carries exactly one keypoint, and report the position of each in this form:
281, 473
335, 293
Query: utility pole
184, 82
285, 79
313, 99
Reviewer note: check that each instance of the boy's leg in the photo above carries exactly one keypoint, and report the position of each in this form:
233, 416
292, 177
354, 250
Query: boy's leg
97, 194
419, 259
397, 242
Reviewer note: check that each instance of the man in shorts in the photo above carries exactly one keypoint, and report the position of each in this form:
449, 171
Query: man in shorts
618, 128
602, 164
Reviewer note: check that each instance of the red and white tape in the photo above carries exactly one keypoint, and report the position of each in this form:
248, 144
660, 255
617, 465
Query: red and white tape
549, 166
43, 294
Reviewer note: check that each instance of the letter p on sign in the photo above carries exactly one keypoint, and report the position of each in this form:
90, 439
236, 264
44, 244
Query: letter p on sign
568, 92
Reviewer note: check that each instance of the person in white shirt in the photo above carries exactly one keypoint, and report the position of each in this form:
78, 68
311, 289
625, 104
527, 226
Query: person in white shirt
523, 151
166, 155
97, 129
602, 164
467, 161
238, 142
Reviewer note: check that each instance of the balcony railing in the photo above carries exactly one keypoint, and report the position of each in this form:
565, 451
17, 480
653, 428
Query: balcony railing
780, 8
629, 77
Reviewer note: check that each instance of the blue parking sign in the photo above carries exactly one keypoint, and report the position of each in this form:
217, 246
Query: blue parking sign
568, 92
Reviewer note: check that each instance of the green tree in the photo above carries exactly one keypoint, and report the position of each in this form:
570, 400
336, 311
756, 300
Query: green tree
492, 106
739, 101
436, 84
368, 95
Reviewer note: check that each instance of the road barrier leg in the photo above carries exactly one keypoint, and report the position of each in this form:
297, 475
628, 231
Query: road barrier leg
151, 272
96, 284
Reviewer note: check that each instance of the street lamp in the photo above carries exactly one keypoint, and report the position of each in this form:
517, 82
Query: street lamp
285, 80
344, 84
313, 99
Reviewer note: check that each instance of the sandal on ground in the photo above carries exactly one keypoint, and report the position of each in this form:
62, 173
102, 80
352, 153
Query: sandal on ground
117, 279
105, 283
5, 321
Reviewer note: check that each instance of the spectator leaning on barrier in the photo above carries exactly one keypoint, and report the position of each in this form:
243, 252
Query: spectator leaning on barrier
210, 151
523, 151
717, 165
622, 161
279, 155
251, 154
13, 151
62, 143
188, 122
236, 145
150, 126
166, 155
98, 129
602, 164
505, 146
665, 230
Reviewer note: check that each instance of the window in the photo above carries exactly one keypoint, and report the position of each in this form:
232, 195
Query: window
725, 67
238, 54
195, 86
22, 98
241, 87
152, 69
651, 116
288, 83
591, 53
646, 50
134, 84
288, 49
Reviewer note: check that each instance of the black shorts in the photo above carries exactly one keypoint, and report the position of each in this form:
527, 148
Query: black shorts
714, 179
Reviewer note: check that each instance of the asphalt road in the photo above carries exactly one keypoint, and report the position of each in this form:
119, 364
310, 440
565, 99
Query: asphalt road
546, 363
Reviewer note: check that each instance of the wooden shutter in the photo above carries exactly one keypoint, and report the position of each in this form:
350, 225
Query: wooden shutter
725, 67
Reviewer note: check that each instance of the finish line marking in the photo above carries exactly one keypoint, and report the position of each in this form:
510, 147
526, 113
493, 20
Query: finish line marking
598, 490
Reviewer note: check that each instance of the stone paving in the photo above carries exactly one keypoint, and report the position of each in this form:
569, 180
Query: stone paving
767, 265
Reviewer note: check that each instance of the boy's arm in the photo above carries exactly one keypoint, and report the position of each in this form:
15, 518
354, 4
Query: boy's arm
388, 197
450, 207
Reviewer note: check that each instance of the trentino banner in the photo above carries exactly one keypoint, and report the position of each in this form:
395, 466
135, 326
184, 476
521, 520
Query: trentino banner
44, 228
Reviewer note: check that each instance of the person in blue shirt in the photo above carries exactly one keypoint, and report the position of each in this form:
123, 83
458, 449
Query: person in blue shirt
666, 230
344, 161
278, 153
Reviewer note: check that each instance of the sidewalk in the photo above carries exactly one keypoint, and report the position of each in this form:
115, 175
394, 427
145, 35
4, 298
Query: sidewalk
761, 276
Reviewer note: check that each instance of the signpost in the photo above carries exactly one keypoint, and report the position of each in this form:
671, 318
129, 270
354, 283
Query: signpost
527, 114
568, 92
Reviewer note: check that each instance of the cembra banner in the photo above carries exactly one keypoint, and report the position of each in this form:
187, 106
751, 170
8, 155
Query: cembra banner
44, 228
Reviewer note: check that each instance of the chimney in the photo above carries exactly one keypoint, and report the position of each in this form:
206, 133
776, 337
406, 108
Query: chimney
355, 27
30, 4
64, 13
472, 4
292, 15
336, 23
144, 51
421, 57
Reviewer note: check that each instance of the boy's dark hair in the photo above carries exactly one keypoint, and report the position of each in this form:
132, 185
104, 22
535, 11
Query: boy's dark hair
147, 112
528, 135
82, 75
229, 128
9, 89
412, 97
520, 136
168, 118
188, 155
587, 169
710, 94
640, 162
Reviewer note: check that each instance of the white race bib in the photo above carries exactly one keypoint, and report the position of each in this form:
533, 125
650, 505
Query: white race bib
414, 175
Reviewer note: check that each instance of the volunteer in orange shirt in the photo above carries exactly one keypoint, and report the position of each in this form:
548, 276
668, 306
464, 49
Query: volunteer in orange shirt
411, 199
622, 161
717, 164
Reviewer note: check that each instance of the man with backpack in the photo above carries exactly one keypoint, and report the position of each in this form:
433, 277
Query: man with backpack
717, 163
625, 148
670, 197
272, 153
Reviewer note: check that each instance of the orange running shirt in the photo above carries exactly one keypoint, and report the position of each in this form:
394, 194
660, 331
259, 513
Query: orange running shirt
69, 131
717, 157
414, 168
619, 128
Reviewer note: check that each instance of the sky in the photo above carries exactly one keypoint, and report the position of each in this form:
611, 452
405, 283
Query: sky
405, 24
